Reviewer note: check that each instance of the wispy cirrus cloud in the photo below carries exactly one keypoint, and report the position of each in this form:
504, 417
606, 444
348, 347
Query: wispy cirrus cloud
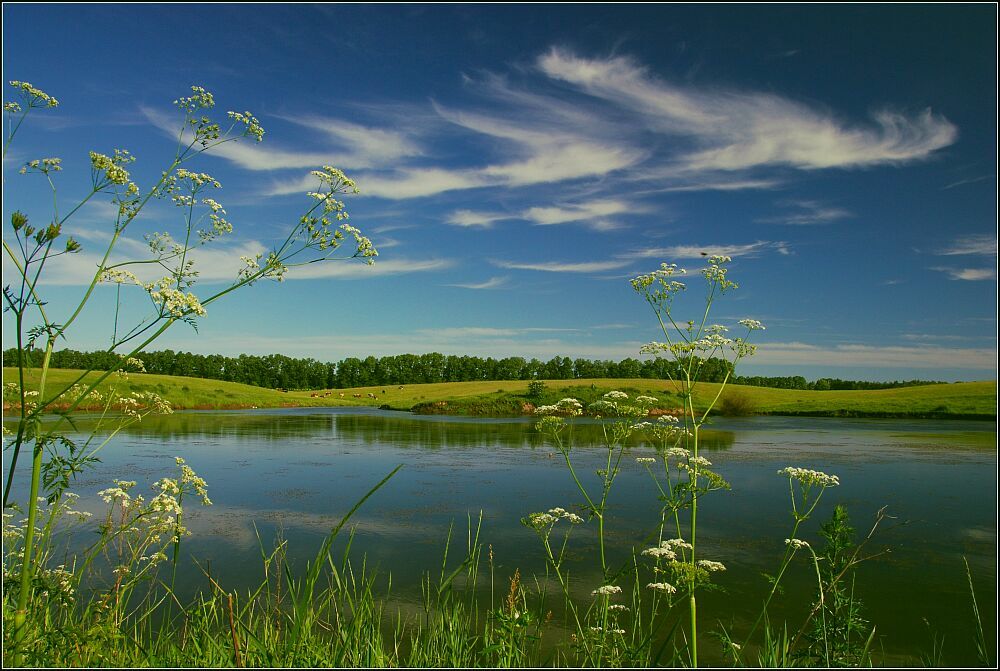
492, 283
573, 118
472, 219
807, 213
969, 274
680, 252
735, 130
220, 264
562, 267
982, 244
598, 215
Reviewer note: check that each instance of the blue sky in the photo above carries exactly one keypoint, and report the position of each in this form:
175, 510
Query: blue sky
518, 164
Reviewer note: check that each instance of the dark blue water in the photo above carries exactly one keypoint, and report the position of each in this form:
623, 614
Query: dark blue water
294, 473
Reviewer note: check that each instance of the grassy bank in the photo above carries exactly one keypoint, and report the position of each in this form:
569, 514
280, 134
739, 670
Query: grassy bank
964, 400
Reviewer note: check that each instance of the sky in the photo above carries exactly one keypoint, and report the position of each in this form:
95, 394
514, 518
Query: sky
518, 164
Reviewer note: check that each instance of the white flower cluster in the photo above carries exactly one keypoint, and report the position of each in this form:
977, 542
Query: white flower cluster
43, 165
108, 169
662, 275
808, 477
197, 180
607, 590
253, 127
615, 396
336, 179
565, 406
175, 302
752, 324
716, 272
116, 276
547, 519
711, 566
201, 99
35, 97
664, 587
796, 543
645, 460
365, 249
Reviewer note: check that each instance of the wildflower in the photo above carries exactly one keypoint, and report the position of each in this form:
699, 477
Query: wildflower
662, 587
541, 520
662, 552
253, 127
808, 477
711, 566
646, 400
645, 460
677, 543
616, 396
796, 543
752, 324
562, 514
35, 96
602, 407
607, 590
201, 99
677, 453
618, 606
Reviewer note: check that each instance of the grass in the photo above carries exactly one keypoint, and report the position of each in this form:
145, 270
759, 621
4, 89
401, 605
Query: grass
960, 400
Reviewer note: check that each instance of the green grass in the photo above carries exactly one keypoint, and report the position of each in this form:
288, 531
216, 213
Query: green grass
968, 400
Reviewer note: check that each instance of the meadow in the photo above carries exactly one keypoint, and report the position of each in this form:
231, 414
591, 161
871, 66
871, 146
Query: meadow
959, 400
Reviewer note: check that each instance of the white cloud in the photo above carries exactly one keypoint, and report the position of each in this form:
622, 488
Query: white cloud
807, 213
596, 214
469, 218
972, 274
354, 269
558, 267
733, 130
492, 283
593, 211
984, 244
696, 251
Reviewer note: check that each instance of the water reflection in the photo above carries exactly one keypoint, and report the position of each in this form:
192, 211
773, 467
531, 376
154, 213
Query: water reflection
293, 473
398, 429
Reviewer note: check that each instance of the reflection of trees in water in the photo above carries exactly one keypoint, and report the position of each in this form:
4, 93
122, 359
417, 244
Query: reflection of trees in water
401, 430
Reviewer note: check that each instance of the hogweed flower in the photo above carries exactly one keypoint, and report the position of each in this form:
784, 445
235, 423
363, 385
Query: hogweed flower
661, 552
607, 590
664, 587
35, 97
711, 566
253, 127
809, 477
796, 544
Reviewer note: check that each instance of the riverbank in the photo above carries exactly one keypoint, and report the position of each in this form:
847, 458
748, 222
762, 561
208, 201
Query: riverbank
960, 400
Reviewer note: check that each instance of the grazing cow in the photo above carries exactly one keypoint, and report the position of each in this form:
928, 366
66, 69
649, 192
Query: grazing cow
357, 395
383, 391
341, 394
400, 386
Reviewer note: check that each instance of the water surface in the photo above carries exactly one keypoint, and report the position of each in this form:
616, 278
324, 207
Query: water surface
294, 472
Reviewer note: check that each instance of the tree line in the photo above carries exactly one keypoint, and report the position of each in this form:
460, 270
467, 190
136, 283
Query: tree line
277, 371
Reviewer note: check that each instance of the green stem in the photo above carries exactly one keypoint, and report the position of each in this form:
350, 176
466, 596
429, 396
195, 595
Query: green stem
28, 561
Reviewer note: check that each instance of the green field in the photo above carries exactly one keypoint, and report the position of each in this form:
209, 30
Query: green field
959, 400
